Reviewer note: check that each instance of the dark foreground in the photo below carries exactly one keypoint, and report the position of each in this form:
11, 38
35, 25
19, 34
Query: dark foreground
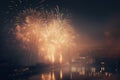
65, 72
74, 70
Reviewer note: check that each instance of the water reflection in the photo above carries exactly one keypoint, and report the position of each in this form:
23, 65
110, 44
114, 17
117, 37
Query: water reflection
72, 72
61, 74
48, 76
52, 75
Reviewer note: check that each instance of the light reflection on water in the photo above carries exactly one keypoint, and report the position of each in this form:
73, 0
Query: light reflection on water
52, 75
48, 76
72, 73
61, 74
58, 74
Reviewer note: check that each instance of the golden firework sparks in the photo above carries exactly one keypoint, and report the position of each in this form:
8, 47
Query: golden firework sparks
48, 34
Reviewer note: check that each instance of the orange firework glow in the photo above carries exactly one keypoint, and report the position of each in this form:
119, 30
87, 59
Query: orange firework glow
48, 34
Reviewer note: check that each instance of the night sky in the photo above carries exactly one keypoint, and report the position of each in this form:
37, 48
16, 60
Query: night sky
97, 20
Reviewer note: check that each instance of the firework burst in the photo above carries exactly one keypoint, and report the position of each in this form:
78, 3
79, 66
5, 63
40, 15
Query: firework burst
47, 34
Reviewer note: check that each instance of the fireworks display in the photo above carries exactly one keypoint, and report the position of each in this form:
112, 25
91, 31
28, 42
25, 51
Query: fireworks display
59, 40
49, 34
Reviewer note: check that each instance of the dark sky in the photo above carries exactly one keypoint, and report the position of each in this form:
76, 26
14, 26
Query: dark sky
97, 19
98, 9
92, 15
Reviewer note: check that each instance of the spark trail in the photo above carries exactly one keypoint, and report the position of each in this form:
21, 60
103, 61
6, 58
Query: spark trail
48, 34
